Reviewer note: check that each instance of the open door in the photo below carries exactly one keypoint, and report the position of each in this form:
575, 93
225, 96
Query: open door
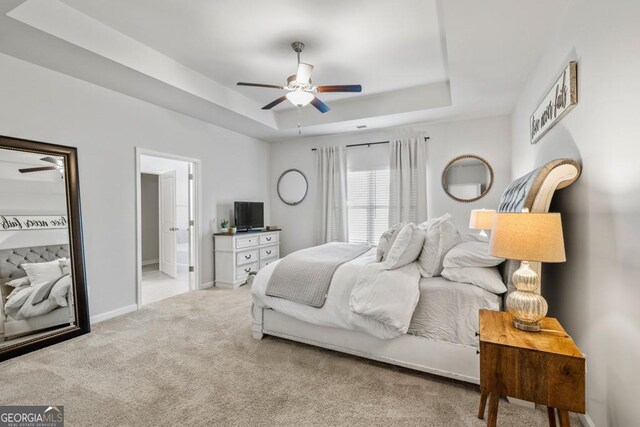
168, 220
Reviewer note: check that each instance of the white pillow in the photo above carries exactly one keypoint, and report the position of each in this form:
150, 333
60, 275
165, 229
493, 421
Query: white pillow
41, 272
16, 290
472, 237
18, 299
441, 235
60, 290
406, 248
488, 279
386, 241
65, 265
16, 283
471, 254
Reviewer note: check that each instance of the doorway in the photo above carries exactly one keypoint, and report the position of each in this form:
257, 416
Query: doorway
167, 200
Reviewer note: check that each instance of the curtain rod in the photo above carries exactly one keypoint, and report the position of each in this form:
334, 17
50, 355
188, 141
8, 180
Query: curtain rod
368, 144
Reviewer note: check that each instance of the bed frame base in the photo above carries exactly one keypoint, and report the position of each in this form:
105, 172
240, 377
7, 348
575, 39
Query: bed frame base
61, 316
449, 360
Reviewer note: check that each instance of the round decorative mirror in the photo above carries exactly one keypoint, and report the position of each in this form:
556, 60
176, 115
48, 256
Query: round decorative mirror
292, 187
467, 178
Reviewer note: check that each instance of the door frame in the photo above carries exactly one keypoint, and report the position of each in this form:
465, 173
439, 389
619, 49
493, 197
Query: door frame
194, 277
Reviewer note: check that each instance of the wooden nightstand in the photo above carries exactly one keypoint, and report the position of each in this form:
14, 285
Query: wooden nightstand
542, 367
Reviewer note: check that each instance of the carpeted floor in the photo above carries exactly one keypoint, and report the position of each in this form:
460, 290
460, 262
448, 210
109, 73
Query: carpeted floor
191, 360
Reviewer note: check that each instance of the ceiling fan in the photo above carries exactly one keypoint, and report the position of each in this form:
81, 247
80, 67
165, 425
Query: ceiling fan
57, 165
300, 90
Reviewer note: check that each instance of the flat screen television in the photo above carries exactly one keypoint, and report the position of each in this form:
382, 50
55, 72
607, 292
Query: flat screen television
249, 215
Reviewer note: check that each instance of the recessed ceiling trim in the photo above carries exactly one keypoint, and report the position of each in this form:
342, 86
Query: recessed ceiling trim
72, 26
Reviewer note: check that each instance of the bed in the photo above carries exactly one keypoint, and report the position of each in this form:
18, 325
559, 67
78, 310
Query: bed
440, 340
10, 261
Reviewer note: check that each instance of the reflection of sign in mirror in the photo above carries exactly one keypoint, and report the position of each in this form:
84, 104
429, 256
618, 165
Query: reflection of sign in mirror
562, 97
31, 222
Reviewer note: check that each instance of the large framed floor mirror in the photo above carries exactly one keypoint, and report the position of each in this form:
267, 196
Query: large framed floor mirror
42, 274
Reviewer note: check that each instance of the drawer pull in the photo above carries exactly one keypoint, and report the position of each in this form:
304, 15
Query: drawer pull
268, 239
268, 252
477, 334
247, 270
247, 256
477, 351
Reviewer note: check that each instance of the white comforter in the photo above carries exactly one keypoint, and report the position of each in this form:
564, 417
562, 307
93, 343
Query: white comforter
20, 306
360, 298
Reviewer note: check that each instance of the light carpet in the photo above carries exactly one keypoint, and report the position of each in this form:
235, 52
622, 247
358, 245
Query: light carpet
191, 360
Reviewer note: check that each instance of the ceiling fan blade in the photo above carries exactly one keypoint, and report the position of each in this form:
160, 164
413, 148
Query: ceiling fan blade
339, 88
304, 72
50, 160
321, 106
259, 85
274, 103
40, 169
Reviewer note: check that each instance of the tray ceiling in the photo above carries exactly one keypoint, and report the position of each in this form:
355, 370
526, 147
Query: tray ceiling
417, 60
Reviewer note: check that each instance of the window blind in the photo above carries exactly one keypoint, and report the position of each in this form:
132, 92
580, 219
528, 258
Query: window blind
368, 205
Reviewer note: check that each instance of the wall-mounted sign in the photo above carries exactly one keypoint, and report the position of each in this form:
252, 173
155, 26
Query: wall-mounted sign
32, 222
562, 97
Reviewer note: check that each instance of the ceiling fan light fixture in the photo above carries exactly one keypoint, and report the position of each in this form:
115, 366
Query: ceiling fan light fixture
300, 98
300, 88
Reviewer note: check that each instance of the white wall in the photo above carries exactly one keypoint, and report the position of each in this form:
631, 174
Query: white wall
595, 294
150, 221
489, 138
106, 126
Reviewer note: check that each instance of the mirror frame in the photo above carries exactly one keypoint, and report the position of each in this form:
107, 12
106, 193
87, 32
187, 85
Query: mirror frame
467, 156
306, 190
76, 248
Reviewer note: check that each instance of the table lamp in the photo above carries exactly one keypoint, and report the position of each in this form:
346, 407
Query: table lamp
481, 219
527, 237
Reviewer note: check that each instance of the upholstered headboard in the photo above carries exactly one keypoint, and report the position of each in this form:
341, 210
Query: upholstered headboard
11, 259
534, 192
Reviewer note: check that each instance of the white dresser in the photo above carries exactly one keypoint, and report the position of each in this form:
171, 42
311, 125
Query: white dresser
236, 255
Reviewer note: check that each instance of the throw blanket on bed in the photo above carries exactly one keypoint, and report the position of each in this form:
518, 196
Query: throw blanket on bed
304, 276
388, 296
39, 299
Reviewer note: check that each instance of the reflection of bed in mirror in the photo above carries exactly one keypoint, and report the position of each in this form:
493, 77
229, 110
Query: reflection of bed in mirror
41, 301
21, 320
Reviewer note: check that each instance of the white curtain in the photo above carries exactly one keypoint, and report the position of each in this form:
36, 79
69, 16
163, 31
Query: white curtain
408, 181
331, 220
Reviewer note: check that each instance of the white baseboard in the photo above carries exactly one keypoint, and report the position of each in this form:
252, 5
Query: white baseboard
114, 313
206, 285
224, 285
586, 420
151, 261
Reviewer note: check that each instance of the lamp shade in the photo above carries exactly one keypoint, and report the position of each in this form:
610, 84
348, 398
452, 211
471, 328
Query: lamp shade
300, 98
481, 219
528, 237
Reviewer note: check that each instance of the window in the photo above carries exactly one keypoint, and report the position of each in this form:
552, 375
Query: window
368, 204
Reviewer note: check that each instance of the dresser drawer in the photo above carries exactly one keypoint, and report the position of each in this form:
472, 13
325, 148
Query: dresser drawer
246, 242
266, 239
266, 262
246, 257
243, 272
269, 252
